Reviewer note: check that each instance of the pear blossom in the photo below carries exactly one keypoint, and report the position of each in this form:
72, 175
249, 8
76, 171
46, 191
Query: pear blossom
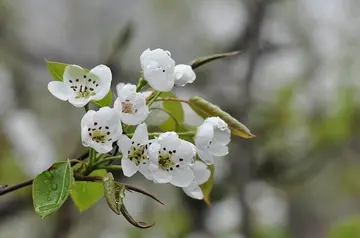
201, 175
159, 69
79, 87
130, 105
99, 129
184, 74
212, 139
174, 157
137, 151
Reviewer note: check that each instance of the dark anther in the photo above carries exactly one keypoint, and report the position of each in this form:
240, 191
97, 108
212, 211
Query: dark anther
95, 123
91, 89
136, 110
106, 127
132, 142
150, 143
146, 146
84, 76
164, 148
70, 81
100, 127
90, 134
170, 152
163, 70
85, 88
108, 133
109, 139
129, 152
127, 100
177, 166
97, 85
174, 151
77, 80
181, 159
94, 82
171, 168
89, 80
138, 144
89, 129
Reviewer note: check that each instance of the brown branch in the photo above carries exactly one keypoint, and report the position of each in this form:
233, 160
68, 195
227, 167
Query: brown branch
28, 182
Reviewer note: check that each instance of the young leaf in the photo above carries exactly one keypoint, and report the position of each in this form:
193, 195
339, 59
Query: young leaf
51, 188
56, 69
114, 193
206, 109
203, 60
106, 101
175, 109
85, 194
207, 187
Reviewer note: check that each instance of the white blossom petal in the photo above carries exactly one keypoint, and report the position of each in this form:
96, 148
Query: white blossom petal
100, 129
204, 135
159, 175
218, 149
78, 102
141, 134
182, 176
205, 156
145, 170
184, 74
124, 144
194, 191
129, 167
60, 90
159, 69
201, 172
131, 105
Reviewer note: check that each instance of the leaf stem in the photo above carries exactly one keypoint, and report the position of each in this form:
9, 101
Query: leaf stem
154, 98
142, 82
86, 107
172, 100
110, 158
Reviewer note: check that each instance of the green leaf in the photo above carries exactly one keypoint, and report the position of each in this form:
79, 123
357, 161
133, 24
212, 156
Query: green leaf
175, 109
106, 101
114, 193
51, 188
203, 60
85, 194
349, 228
56, 69
207, 187
206, 109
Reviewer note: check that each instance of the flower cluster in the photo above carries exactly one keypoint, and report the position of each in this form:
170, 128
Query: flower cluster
160, 157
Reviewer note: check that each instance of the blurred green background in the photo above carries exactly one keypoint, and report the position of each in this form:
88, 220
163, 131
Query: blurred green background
295, 85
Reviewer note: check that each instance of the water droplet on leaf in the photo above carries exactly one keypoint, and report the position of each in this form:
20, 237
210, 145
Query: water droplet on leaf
54, 186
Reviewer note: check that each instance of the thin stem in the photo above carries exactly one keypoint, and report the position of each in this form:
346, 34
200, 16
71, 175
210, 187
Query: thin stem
142, 82
111, 158
187, 133
154, 98
172, 100
15, 187
86, 107
115, 167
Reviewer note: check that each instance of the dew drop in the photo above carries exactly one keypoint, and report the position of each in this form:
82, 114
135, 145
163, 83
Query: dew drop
54, 186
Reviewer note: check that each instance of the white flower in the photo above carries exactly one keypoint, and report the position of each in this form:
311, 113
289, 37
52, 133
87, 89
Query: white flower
80, 87
212, 139
184, 74
159, 69
201, 175
172, 165
131, 105
99, 129
137, 151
